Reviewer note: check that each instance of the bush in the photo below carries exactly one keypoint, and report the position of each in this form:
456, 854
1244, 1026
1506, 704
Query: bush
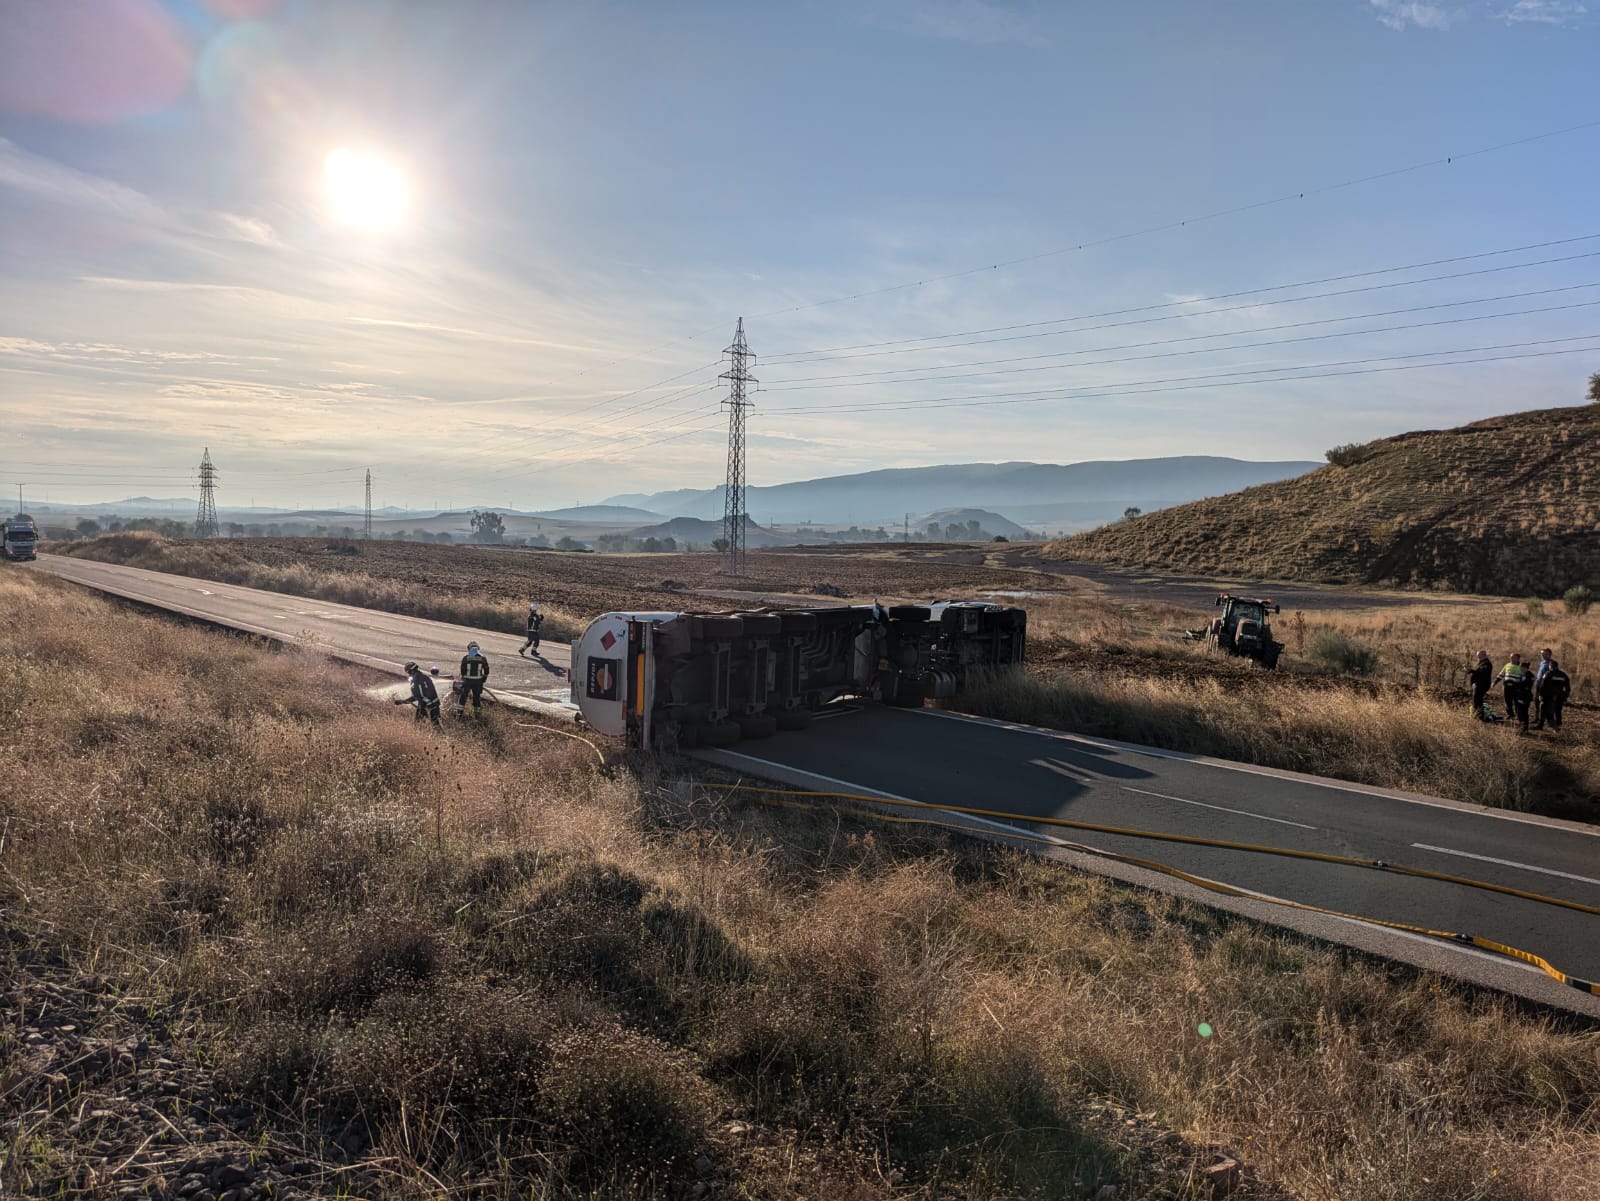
1335, 650
1349, 454
1577, 599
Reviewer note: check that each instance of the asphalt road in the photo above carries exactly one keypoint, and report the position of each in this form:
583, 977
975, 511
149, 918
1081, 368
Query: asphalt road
1017, 772
948, 759
380, 640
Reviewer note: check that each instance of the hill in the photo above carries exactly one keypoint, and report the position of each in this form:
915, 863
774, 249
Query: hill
1096, 491
606, 513
1509, 505
989, 523
691, 531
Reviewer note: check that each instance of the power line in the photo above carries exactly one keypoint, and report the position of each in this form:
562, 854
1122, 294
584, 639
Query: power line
869, 378
1401, 283
205, 522
1167, 226
1196, 382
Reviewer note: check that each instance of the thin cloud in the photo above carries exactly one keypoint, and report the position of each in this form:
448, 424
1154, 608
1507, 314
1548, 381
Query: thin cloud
1545, 12
60, 185
1407, 14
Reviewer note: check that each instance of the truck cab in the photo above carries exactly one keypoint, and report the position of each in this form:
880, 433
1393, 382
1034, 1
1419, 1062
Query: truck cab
19, 538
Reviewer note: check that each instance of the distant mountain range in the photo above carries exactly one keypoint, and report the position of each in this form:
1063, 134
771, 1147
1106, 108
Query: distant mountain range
1051, 495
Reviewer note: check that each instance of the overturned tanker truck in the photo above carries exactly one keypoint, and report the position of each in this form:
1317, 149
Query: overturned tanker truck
666, 681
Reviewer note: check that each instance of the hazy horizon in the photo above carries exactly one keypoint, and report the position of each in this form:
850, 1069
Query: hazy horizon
493, 251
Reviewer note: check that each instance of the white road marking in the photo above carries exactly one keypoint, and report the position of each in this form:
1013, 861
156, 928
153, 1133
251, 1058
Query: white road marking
1219, 808
204, 591
1527, 867
1271, 773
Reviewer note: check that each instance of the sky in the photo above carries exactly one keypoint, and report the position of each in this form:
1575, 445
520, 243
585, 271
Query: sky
494, 251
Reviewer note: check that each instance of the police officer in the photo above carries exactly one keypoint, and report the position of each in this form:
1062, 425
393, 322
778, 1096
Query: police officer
474, 674
1546, 662
423, 695
535, 620
1554, 688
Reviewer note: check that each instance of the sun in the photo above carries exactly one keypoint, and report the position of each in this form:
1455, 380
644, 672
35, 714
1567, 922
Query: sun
364, 190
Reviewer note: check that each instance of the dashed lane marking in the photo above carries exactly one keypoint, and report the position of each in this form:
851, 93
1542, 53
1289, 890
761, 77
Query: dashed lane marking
1220, 808
1527, 867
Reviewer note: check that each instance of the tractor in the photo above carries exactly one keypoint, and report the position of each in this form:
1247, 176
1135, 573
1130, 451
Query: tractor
1242, 629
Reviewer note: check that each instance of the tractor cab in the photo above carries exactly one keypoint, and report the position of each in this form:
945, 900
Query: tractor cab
1242, 628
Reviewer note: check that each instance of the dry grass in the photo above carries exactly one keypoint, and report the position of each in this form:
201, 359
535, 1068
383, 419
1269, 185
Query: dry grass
484, 966
1126, 672
336, 578
1508, 505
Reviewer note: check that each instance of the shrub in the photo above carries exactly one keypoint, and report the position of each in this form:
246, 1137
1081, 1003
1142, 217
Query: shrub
1348, 454
1577, 599
1535, 608
1334, 650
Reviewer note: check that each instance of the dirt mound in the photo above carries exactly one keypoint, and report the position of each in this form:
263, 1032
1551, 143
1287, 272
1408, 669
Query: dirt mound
1510, 505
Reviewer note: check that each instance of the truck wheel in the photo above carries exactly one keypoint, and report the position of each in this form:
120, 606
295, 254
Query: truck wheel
761, 625
792, 719
798, 623
718, 733
909, 613
758, 725
714, 628
688, 736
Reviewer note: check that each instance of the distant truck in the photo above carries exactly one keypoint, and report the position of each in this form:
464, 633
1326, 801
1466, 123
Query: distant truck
20, 539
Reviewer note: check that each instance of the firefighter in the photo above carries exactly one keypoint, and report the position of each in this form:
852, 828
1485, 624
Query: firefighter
423, 695
535, 620
1554, 688
1479, 676
474, 674
1518, 681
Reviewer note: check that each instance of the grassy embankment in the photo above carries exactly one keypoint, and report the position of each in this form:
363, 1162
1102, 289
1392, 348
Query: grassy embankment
1509, 505
482, 964
1124, 672
346, 585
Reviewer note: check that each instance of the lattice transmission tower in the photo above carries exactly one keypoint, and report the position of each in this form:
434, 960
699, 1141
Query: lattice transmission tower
205, 521
366, 530
734, 515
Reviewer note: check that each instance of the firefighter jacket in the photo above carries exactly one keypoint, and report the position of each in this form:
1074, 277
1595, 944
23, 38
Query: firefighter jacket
474, 667
423, 691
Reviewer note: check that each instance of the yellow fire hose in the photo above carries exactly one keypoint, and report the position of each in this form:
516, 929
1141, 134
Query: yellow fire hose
1486, 944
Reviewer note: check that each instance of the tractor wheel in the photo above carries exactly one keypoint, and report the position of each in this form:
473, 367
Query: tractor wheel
758, 725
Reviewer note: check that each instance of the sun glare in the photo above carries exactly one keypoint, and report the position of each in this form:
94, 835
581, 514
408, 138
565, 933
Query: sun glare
364, 190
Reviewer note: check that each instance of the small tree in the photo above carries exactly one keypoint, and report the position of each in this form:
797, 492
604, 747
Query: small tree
1131, 512
487, 526
1578, 599
1594, 387
88, 527
1348, 454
